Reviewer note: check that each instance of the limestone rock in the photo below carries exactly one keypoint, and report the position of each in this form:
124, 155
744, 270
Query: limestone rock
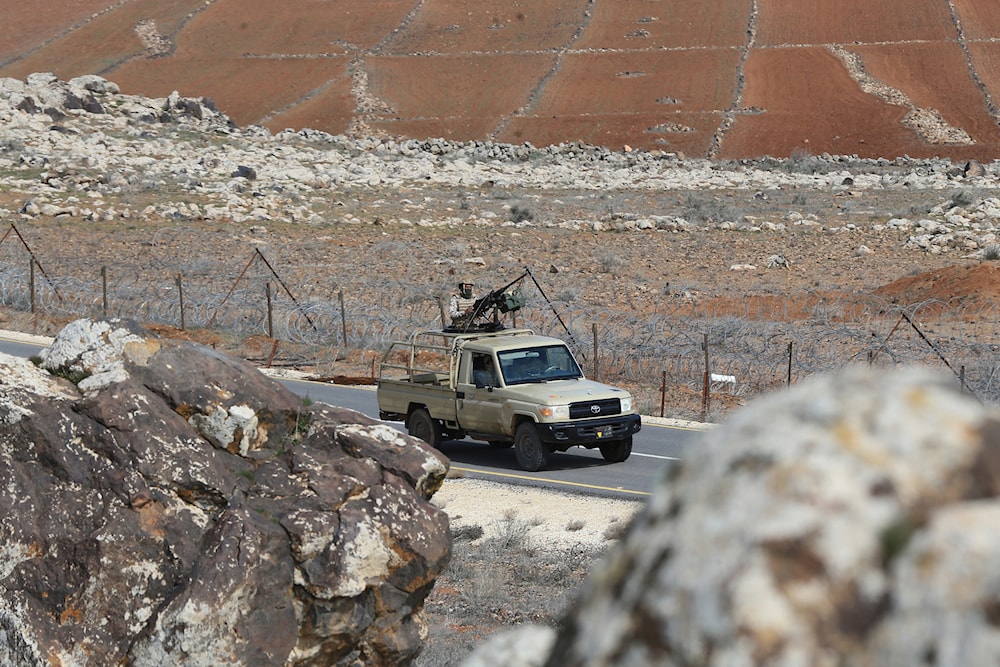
189, 510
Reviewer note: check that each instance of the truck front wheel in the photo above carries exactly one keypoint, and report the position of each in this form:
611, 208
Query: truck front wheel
421, 425
617, 451
532, 454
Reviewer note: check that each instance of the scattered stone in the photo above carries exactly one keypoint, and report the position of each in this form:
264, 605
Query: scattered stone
974, 169
778, 262
246, 172
128, 141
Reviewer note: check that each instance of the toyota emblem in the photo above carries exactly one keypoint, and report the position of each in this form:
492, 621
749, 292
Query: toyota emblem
595, 409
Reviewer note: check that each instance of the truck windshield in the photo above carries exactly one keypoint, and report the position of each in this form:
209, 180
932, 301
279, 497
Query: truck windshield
538, 364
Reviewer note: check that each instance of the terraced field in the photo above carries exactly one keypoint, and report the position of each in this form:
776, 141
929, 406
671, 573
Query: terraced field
729, 79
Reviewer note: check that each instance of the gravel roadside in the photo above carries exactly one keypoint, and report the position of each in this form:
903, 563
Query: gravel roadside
555, 520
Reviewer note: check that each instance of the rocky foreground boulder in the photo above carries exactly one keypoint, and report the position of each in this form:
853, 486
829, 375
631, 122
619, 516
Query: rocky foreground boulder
167, 504
850, 521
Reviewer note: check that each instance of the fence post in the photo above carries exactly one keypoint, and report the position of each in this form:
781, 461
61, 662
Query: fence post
104, 290
180, 297
31, 283
663, 394
270, 321
961, 377
789, 381
593, 328
705, 398
343, 316
444, 321
274, 351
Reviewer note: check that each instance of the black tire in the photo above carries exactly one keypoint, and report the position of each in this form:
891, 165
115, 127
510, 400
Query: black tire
532, 454
421, 425
617, 451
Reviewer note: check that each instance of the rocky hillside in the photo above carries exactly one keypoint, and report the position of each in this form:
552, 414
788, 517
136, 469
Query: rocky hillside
139, 193
730, 79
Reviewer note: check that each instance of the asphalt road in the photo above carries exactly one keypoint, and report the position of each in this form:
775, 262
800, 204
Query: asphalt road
654, 448
578, 470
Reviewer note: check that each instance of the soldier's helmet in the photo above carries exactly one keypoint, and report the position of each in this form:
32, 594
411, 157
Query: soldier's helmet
465, 289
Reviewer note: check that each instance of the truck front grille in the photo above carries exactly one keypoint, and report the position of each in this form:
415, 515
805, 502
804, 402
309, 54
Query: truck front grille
602, 408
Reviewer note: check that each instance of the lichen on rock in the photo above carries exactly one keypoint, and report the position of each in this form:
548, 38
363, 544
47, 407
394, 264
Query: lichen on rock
178, 513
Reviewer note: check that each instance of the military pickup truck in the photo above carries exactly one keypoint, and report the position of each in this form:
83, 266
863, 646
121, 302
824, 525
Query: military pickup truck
509, 388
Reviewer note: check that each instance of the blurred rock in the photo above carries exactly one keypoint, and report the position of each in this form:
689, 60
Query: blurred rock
848, 521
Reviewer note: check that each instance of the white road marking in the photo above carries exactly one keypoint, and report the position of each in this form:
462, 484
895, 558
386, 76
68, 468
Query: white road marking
657, 456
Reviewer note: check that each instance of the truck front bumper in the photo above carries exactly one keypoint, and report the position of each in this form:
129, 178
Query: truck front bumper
590, 431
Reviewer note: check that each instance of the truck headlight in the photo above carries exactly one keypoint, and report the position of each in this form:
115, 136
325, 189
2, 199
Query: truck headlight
627, 404
554, 411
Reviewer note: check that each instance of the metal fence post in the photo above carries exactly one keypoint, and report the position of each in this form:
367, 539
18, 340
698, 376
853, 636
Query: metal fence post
593, 328
343, 316
789, 381
705, 398
31, 283
270, 322
663, 394
104, 290
180, 298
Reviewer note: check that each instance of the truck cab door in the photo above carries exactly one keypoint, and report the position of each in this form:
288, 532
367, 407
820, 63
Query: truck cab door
480, 401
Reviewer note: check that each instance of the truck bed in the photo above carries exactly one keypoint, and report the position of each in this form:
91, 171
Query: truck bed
396, 396
439, 379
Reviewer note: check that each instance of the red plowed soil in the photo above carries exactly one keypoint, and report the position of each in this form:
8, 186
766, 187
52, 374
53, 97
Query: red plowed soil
807, 101
987, 60
471, 92
108, 40
330, 107
980, 18
658, 82
260, 27
27, 25
445, 26
931, 76
276, 83
653, 75
785, 22
975, 286
665, 99
640, 24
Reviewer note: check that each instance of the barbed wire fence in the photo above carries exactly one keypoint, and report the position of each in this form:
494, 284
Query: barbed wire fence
670, 357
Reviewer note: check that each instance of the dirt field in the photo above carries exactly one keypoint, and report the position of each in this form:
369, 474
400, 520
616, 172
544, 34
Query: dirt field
643, 289
852, 21
729, 79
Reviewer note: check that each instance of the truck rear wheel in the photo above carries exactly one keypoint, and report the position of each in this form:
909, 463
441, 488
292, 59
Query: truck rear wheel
422, 425
617, 451
532, 454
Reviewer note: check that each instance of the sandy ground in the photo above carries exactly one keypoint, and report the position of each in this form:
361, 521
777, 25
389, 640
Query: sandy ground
555, 520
